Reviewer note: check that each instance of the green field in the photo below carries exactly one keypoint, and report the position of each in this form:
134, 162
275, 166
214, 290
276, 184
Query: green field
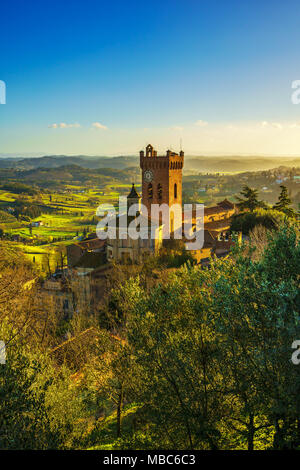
67, 215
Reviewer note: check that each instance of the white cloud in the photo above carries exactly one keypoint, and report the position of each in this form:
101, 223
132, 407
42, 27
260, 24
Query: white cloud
276, 125
63, 125
201, 123
98, 125
177, 128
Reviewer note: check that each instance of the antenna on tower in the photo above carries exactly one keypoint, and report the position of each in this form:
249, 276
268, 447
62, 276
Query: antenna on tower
180, 144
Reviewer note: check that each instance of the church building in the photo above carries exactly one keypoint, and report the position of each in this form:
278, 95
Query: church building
162, 184
124, 248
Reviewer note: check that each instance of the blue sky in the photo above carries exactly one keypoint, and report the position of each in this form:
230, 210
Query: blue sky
94, 77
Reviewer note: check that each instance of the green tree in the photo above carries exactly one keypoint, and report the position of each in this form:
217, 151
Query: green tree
24, 422
250, 200
246, 221
214, 350
284, 202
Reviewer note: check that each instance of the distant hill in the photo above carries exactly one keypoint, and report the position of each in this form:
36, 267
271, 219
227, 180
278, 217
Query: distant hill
56, 161
238, 164
202, 163
75, 174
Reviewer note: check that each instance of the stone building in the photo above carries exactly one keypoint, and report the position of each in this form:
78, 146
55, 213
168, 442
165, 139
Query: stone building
81, 252
126, 249
162, 184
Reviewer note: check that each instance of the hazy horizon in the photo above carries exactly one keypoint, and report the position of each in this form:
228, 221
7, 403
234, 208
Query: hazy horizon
190, 155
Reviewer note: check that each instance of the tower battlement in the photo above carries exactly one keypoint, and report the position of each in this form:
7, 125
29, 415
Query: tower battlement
150, 159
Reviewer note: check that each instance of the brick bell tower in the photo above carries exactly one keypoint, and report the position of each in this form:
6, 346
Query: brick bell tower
161, 178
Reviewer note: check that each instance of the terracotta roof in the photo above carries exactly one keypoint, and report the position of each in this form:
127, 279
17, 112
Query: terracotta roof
226, 204
68, 350
214, 210
217, 225
92, 244
222, 206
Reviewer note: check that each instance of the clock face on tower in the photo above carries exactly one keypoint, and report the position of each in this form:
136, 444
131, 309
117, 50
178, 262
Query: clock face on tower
148, 176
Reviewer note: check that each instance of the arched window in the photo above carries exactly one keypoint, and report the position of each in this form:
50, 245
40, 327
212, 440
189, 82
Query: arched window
159, 191
150, 191
175, 191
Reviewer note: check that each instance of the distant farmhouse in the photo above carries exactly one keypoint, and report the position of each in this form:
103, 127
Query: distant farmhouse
37, 223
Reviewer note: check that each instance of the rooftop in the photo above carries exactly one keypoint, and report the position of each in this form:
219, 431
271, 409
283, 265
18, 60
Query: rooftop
133, 193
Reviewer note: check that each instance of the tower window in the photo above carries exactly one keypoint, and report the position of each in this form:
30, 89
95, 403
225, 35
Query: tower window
150, 191
159, 191
175, 191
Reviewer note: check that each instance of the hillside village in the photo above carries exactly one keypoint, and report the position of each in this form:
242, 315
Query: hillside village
88, 258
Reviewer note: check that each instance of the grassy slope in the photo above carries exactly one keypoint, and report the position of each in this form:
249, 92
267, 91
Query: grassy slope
104, 433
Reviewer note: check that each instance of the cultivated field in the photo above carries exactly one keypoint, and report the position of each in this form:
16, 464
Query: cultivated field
69, 214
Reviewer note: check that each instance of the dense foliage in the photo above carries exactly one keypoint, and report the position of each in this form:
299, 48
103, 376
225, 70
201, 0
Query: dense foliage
199, 359
214, 350
253, 213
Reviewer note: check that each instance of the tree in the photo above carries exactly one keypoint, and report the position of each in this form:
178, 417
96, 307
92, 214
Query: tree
173, 341
40, 408
284, 202
24, 423
249, 201
245, 222
60, 255
259, 238
111, 373
214, 350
